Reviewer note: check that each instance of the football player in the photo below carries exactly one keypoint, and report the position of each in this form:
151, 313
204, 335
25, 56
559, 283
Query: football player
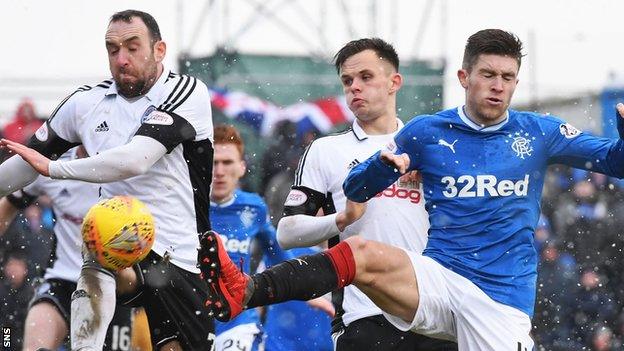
483, 168
148, 132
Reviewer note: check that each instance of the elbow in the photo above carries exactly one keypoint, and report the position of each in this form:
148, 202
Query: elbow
133, 169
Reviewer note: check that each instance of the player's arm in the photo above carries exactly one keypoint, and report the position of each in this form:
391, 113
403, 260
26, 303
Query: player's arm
49, 142
375, 174
122, 162
15, 173
567, 145
162, 130
301, 225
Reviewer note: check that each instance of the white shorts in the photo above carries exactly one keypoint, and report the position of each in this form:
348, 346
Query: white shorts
452, 307
241, 337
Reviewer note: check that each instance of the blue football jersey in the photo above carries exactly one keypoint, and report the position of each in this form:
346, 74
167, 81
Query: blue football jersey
241, 222
482, 188
294, 325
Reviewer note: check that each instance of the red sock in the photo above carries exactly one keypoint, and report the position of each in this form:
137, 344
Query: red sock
341, 257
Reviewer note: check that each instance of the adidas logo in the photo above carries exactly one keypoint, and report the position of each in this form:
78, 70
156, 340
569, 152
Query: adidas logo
353, 163
103, 127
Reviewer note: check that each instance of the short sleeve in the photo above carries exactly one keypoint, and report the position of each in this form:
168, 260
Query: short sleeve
309, 189
183, 114
59, 133
310, 171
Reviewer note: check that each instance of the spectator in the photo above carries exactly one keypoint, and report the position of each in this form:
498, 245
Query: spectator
556, 276
15, 292
22, 127
604, 340
283, 153
582, 219
24, 124
594, 305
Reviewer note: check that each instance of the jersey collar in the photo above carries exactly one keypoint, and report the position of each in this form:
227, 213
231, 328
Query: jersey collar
153, 94
462, 114
360, 134
227, 203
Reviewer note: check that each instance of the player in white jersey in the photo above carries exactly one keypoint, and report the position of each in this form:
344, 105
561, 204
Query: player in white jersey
368, 69
149, 134
47, 322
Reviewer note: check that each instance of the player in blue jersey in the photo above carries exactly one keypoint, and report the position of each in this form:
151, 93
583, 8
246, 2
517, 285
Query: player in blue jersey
242, 221
483, 169
293, 325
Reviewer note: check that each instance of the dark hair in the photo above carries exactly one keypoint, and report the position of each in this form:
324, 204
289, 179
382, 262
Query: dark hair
492, 41
379, 46
149, 21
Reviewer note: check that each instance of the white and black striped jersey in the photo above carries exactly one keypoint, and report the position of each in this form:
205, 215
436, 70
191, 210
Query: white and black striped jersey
396, 216
71, 199
175, 112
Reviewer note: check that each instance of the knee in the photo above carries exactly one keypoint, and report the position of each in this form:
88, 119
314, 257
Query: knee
127, 281
366, 258
357, 244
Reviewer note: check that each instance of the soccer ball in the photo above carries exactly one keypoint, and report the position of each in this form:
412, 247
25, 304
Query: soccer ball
118, 232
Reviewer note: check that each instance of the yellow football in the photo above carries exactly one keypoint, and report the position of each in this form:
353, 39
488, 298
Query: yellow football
118, 232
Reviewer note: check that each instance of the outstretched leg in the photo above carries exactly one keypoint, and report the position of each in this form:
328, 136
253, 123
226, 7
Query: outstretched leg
385, 274
381, 271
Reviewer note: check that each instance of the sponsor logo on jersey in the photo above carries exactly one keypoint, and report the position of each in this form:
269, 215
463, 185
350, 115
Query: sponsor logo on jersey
147, 112
413, 195
521, 144
353, 163
234, 245
248, 216
295, 198
391, 146
568, 131
103, 127
484, 185
159, 117
447, 144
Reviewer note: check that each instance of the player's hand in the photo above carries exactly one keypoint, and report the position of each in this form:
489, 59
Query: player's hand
352, 212
321, 303
400, 162
410, 177
39, 162
620, 109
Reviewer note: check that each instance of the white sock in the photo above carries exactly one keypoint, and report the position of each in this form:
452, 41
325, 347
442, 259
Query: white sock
92, 309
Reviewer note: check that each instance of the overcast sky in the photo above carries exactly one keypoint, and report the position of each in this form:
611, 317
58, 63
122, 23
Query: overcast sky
49, 47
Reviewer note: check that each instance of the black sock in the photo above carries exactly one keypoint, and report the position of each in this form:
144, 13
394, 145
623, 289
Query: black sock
302, 278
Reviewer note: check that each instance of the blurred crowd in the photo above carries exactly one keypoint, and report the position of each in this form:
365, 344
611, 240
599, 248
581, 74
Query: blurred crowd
579, 239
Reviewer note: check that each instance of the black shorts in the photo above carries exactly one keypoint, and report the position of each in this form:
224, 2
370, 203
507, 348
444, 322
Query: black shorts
376, 333
58, 293
174, 303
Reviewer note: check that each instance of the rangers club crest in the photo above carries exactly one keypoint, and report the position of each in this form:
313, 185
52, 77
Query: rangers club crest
521, 144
